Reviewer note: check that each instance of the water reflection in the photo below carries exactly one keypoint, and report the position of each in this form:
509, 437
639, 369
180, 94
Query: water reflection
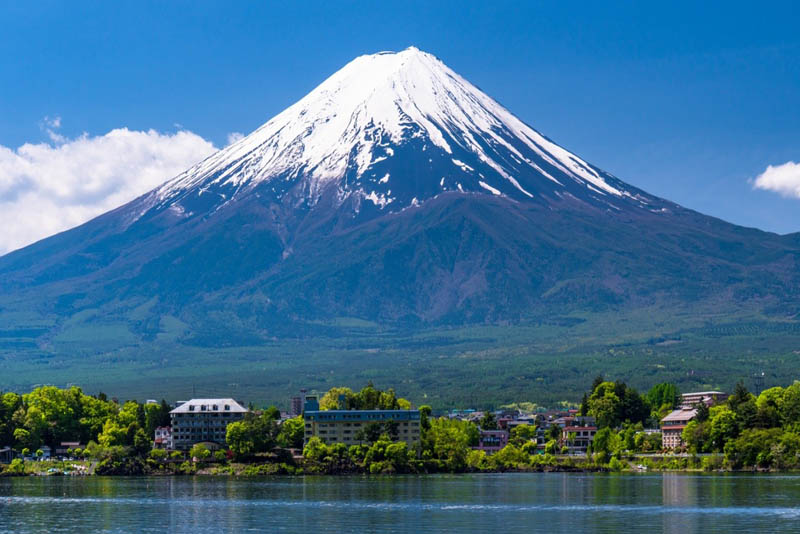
574, 503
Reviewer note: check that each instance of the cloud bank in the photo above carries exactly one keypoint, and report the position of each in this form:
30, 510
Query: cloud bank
47, 188
783, 179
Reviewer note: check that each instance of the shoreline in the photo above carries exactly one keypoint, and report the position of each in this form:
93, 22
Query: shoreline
83, 469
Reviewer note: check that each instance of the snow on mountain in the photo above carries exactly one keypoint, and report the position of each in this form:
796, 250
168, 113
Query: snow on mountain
349, 131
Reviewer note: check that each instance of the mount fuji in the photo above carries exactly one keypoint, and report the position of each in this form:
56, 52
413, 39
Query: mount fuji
396, 193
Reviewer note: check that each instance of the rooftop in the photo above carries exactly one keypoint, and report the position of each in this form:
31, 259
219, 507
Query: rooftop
362, 415
210, 405
680, 415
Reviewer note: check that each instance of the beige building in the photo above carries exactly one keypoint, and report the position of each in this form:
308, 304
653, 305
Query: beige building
672, 427
349, 426
673, 424
709, 398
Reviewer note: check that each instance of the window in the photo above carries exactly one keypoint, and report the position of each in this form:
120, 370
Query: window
191, 408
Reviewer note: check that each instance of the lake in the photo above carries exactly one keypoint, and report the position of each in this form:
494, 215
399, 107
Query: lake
481, 503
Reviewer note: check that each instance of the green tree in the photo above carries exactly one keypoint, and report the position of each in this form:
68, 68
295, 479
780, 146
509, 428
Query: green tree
424, 416
696, 436
141, 443
385, 456
322, 457
113, 434
156, 415
291, 433
448, 441
769, 408
703, 412
753, 448
743, 404
240, 439
790, 405
521, 434
23, 439
614, 403
606, 442
724, 426
663, 395
158, 455
9, 404
330, 400
199, 452
488, 421
252, 435
554, 433
510, 457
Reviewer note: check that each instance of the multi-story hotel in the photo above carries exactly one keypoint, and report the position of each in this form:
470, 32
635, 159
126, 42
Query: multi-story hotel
346, 426
673, 424
204, 421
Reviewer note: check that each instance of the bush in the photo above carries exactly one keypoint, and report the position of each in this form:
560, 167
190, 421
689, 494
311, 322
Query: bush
269, 469
159, 455
615, 464
477, 460
712, 463
15, 468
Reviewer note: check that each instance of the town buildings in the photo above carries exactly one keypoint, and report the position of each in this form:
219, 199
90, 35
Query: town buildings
353, 427
204, 421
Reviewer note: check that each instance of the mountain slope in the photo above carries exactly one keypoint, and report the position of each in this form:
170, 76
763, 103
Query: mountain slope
396, 192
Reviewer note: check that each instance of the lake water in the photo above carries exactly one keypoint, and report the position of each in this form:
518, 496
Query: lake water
490, 503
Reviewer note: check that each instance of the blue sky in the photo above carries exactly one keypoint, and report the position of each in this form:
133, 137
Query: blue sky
688, 101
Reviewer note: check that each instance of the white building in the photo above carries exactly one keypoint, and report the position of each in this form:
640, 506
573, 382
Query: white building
163, 438
204, 421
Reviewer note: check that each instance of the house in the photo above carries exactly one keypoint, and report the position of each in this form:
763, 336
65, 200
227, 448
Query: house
519, 421
673, 424
163, 438
578, 433
204, 421
47, 452
6, 455
349, 426
63, 450
492, 441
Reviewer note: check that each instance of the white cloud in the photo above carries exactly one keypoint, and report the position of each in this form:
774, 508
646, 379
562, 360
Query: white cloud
47, 188
783, 179
234, 136
54, 122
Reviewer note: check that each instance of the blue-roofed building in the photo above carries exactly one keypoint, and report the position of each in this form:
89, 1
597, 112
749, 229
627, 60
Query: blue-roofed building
351, 426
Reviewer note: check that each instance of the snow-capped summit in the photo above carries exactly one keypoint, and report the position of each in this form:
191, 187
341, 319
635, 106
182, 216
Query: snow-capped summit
395, 129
